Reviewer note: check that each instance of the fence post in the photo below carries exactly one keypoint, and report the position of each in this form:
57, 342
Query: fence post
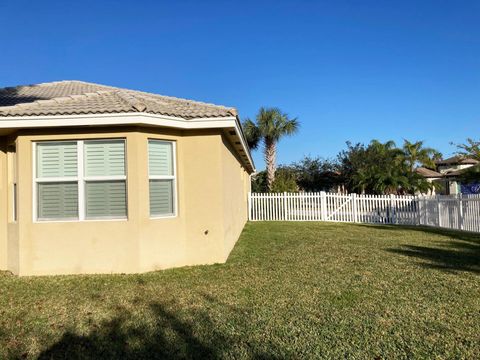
354, 207
285, 205
416, 207
323, 205
249, 202
460, 212
392, 209
438, 212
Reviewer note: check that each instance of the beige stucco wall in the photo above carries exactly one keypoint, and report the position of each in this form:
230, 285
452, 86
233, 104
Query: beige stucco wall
3, 203
203, 231
236, 185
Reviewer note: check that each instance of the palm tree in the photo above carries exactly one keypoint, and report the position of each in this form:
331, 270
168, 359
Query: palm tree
270, 126
415, 153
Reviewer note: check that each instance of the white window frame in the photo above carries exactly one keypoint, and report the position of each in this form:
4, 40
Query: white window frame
164, 177
80, 179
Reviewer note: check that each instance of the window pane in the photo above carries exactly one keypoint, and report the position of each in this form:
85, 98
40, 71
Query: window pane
161, 197
58, 200
105, 158
106, 199
56, 159
160, 157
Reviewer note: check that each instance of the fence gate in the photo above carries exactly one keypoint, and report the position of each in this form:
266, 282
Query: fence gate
454, 212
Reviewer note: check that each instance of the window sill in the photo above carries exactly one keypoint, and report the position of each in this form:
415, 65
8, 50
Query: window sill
78, 221
159, 217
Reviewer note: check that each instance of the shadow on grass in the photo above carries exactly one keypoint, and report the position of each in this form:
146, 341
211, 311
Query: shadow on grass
458, 251
166, 336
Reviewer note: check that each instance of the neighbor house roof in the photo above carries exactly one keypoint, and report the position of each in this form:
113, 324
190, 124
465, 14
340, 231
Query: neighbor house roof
78, 97
428, 173
461, 160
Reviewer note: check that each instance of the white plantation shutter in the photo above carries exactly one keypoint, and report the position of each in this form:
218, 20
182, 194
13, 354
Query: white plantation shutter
161, 197
57, 200
160, 157
56, 159
104, 158
105, 199
57, 197
98, 184
162, 177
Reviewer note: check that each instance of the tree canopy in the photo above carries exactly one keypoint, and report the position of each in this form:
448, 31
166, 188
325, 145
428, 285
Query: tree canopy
271, 124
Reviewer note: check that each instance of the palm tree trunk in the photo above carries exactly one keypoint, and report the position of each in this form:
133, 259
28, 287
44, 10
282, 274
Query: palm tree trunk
270, 159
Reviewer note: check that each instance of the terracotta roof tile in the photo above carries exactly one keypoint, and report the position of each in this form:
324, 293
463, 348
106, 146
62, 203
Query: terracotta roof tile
428, 173
457, 160
77, 97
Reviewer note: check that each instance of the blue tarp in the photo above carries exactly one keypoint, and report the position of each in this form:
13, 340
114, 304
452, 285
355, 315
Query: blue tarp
472, 188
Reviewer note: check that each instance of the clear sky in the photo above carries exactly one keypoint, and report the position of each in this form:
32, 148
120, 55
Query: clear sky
349, 70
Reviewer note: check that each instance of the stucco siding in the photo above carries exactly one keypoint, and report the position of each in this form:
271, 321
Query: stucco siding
3, 204
211, 203
236, 184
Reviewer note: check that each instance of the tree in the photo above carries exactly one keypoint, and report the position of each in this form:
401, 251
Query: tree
374, 169
416, 155
316, 174
382, 168
470, 149
285, 180
259, 182
471, 175
271, 125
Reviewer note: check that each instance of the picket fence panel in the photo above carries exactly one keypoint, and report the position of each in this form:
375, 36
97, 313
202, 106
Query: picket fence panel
453, 212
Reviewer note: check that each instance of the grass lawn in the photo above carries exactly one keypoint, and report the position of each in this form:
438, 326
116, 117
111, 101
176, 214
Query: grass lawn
288, 290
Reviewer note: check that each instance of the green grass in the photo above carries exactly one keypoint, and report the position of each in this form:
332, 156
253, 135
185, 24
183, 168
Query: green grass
288, 290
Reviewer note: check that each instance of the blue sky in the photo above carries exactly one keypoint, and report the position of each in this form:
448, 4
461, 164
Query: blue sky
349, 70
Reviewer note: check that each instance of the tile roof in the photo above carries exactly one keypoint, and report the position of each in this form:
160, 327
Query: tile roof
428, 173
457, 160
78, 97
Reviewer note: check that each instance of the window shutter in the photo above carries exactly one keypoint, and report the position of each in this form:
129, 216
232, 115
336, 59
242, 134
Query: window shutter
56, 159
160, 159
105, 158
105, 199
58, 200
161, 197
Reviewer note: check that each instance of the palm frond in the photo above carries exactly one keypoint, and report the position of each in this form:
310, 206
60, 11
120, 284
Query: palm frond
252, 133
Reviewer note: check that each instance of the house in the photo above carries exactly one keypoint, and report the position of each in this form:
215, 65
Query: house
431, 176
447, 173
452, 169
98, 179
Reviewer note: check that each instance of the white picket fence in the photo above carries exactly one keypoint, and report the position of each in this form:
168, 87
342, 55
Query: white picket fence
454, 212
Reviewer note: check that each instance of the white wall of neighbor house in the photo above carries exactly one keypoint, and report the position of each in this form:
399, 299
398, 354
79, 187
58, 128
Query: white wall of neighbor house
432, 191
453, 187
447, 168
203, 230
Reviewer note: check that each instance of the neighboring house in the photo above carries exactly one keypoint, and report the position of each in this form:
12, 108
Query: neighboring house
432, 176
451, 169
97, 179
448, 172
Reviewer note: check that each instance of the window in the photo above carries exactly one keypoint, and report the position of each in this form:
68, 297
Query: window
78, 180
161, 168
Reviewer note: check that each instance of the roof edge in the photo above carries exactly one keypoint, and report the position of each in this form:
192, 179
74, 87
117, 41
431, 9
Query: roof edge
132, 118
